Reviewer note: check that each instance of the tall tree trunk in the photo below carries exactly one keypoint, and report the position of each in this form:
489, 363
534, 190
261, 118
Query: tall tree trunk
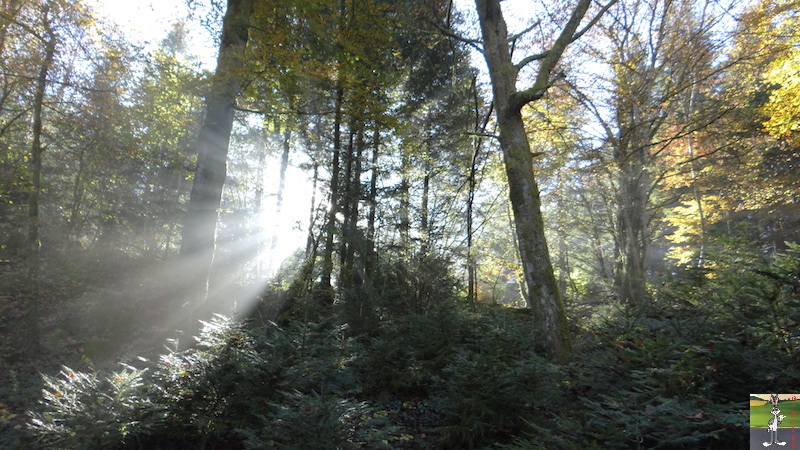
632, 238
405, 202
345, 240
78, 191
199, 229
273, 246
371, 257
480, 130
260, 260
562, 261
372, 199
350, 236
631, 155
472, 279
541, 290
36, 184
327, 257
173, 222
698, 196
424, 221
310, 240
599, 254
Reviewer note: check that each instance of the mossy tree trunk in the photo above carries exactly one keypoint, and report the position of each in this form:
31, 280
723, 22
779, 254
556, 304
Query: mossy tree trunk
541, 289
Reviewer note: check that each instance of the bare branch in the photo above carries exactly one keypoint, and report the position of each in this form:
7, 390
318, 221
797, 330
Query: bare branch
551, 57
524, 32
529, 59
489, 135
10, 19
474, 43
594, 20
542, 82
61, 83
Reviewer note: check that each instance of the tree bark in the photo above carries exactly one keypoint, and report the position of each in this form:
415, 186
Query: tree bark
78, 192
480, 130
198, 238
698, 196
310, 240
372, 199
404, 212
541, 290
260, 260
346, 238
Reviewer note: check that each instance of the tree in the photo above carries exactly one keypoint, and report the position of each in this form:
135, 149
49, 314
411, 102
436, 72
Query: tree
747, 179
781, 42
168, 105
198, 237
48, 40
31, 37
650, 108
541, 289
656, 87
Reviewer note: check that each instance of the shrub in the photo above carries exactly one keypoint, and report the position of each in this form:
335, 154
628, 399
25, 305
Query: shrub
494, 384
463, 379
313, 421
89, 410
262, 387
213, 389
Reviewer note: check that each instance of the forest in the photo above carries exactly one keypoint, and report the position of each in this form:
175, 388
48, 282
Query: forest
408, 224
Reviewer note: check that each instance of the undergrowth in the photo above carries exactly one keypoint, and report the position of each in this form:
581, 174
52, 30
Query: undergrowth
672, 373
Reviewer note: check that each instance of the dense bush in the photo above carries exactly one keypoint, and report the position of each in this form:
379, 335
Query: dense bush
494, 382
472, 376
213, 389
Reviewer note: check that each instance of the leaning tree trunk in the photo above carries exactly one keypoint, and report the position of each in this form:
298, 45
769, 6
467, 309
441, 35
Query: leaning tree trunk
541, 289
542, 293
199, 229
